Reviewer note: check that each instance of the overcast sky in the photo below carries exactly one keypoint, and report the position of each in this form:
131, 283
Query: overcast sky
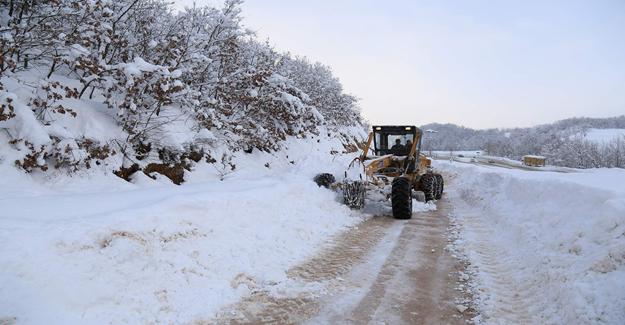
474, 63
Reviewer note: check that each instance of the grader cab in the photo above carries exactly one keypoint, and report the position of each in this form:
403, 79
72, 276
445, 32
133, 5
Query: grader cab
391, 156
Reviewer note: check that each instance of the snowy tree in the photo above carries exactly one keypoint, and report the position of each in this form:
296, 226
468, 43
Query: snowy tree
562, 142
199, 69
324, 90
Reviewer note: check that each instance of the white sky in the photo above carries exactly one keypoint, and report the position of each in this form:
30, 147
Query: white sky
476, 63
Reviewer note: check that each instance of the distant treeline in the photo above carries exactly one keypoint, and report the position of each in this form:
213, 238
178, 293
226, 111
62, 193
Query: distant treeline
562, 142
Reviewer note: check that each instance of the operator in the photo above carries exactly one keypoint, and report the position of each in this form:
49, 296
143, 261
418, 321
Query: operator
411, 163
408, 147
398, 149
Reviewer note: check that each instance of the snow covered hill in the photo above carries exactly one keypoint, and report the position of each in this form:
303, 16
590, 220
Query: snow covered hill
104, 106
131, 86
574, 142
547, 248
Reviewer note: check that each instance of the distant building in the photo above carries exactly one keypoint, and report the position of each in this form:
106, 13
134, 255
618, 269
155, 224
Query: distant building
535, 161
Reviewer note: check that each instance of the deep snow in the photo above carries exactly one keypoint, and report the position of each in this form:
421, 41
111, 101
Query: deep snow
95, 249
546, 248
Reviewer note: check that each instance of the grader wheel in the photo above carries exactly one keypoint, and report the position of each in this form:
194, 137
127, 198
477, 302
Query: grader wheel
401, 198
428, 185
440, 186
354, 194
324, 180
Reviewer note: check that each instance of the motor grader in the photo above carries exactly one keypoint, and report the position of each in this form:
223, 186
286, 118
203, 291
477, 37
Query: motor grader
402, 166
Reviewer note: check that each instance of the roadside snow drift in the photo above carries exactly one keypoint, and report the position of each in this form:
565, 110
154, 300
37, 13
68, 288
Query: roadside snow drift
73, 253
548, 248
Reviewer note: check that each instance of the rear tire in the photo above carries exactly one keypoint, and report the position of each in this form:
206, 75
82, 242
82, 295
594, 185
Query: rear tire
440, 186
427, 183
401, 198
324, 180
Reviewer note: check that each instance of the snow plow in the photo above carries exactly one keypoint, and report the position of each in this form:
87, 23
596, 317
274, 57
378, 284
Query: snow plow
391, 166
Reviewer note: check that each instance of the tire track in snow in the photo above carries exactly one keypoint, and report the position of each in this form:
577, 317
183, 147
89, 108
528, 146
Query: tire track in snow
346, 250
416, 283
510, 305
381, 271
504, 301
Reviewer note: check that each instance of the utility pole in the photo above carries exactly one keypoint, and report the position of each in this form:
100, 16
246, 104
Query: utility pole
430, 135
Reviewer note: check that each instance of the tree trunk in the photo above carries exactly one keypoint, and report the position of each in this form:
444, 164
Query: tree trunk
11, 9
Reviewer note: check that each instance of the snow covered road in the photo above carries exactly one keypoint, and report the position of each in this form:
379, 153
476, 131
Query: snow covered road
383, 271
415, 283
527, 248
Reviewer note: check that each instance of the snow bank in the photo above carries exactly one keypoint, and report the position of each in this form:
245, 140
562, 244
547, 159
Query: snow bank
98, 250
550, 246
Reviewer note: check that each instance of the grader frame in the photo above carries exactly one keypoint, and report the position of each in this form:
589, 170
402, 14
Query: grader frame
407, 172
386, 163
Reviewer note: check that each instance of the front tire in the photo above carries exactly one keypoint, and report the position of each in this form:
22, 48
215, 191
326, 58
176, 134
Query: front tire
324, 180
401, 198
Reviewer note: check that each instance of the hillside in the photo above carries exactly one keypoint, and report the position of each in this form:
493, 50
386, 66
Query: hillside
128, 86
108, 106
101, 250
568, 143
603, 135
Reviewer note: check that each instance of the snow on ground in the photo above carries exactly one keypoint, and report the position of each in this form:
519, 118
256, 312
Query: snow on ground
94, 249
478, 157
461, 154
548, 248
602, 136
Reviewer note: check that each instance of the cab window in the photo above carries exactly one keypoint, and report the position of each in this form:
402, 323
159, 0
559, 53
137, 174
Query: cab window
384, 141
403, 138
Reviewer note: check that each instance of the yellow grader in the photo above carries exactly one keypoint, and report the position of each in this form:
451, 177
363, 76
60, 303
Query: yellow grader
395, 159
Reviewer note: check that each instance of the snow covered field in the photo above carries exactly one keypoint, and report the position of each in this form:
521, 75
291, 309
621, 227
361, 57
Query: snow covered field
547, 248
479, 158
98, 250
